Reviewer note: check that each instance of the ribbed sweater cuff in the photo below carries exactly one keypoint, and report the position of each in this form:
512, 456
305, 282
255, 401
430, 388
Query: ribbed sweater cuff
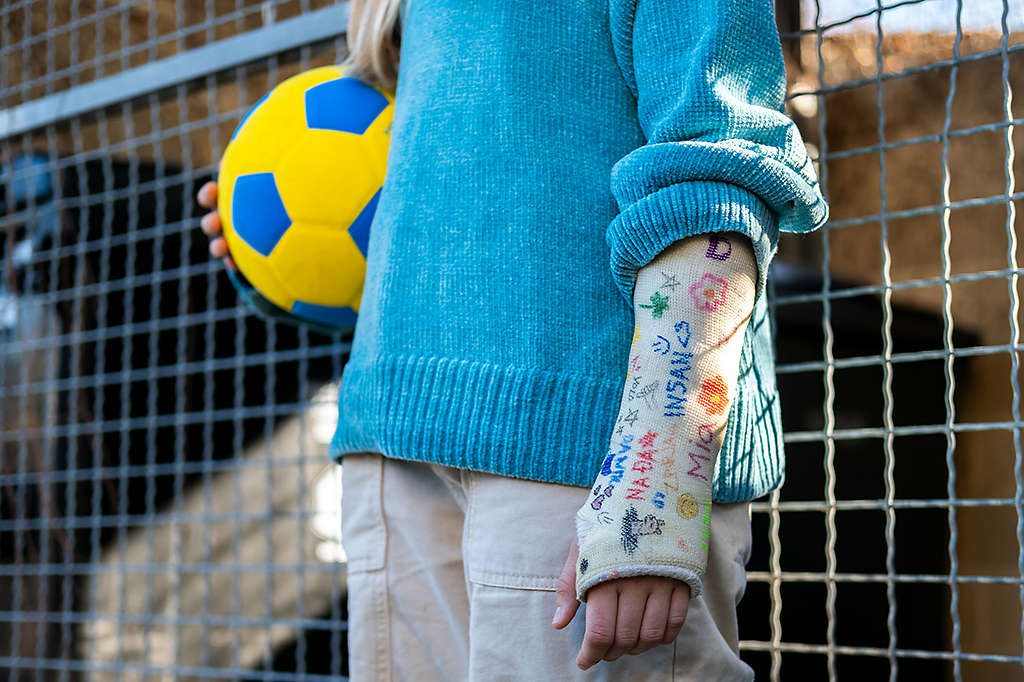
648, 226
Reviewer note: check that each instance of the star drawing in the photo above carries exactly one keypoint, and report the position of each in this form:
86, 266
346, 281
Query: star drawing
670, 281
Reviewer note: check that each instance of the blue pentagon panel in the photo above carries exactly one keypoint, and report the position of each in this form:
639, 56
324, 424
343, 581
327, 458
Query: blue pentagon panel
257, 213
248, 114
344, 104
360, 227
339, 316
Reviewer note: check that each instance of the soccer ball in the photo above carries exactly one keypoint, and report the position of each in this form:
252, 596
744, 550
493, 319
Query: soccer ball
298, 187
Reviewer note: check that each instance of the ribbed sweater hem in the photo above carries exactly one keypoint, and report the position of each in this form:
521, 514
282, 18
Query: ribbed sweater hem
523, 423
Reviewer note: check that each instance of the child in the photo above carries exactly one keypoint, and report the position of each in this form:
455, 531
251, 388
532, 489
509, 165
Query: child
498, 469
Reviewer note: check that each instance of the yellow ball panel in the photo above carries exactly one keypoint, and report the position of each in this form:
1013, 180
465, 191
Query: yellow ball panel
269, 131
377, 141
261, 272
320, 265
327, 176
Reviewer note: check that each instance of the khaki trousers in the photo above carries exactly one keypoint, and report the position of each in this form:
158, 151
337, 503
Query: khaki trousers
451, 576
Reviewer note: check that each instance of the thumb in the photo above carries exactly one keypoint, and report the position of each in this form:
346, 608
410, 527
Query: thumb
565, 591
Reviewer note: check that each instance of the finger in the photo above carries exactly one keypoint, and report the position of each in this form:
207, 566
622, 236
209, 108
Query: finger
627, 621
218, 247
210, 223
677, 612
602, 604
230, 263
207, 195
566, 604
652, 626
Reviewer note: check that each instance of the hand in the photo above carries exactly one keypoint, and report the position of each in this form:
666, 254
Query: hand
210, 224
624, 615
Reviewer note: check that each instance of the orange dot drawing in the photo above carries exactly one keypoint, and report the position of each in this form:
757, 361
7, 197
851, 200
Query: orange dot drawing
714, 395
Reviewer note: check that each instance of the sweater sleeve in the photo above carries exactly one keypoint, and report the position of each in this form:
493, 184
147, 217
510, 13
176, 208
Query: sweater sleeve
719, 153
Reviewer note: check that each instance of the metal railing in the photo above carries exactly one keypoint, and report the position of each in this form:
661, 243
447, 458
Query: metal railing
168, 508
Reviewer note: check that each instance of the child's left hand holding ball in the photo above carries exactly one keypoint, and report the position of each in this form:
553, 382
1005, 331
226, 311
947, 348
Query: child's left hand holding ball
210, 224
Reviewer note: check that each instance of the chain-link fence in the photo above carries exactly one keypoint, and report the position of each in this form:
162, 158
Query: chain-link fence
168, 509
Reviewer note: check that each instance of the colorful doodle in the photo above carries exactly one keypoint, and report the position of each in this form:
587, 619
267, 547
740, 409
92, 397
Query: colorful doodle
661, 346
686, 506
636, 489
671, 479
658, 500
682, 330
634, 387
714, 395
644, 461
708, 293
670, 281
620, 468
633, 527
614, 465
647, 393
658, 306
719, 248
706, 527
699, 459
668, 462
643, 464
705, 434
674, 405
596, 504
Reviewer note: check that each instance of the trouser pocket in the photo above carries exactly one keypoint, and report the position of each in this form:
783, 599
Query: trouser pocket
362, 515
519, 531
364, 540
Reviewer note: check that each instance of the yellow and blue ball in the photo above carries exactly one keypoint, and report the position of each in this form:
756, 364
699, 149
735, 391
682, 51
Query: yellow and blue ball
298, 187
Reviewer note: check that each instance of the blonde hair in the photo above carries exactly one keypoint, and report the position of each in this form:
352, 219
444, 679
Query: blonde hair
374, 39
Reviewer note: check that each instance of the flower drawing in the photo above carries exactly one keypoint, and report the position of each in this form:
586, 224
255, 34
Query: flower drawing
708, 292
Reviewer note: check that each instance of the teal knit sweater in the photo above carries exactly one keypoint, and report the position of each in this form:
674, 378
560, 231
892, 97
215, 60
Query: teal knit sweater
541, 153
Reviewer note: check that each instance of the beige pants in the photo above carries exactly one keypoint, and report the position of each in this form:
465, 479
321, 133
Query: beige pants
451, 576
